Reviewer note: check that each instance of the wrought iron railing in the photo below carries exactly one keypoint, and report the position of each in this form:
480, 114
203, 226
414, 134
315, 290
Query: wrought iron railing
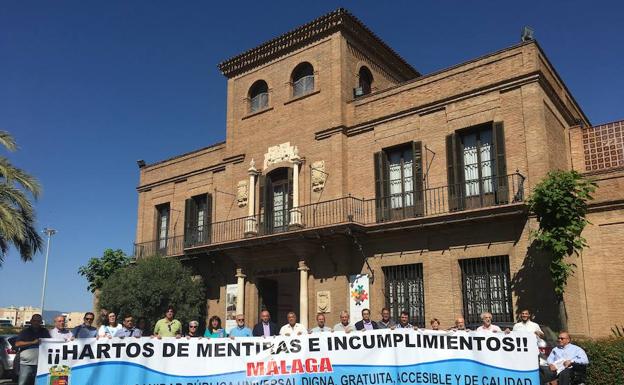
469, 195
162, 247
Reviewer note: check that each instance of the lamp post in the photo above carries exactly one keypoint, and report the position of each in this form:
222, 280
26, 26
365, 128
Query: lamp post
49, 232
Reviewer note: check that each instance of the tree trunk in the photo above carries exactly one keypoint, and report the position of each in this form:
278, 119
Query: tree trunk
96, 306
563, 315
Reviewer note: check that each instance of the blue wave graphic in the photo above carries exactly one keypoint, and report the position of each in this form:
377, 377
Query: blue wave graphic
445, 372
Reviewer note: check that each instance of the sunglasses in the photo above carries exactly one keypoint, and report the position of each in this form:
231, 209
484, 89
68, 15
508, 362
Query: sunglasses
89, 319
192, 327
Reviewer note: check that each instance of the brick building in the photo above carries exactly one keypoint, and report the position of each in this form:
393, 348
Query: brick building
342, 159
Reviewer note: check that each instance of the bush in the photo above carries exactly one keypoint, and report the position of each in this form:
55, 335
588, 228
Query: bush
146, 288
606, 360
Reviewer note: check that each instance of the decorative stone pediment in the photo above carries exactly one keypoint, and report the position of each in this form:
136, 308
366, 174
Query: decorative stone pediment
242, 193
281, 153
319, 176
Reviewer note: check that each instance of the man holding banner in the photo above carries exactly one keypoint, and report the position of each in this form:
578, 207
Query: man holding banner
266, 327
240, 330
292, 328
168, 326
28, 342
366, 323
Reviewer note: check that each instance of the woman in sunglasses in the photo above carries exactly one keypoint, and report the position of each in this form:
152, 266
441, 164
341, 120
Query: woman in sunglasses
193, 330
214, 329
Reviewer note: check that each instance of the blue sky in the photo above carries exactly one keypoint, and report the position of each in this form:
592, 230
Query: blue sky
89, 87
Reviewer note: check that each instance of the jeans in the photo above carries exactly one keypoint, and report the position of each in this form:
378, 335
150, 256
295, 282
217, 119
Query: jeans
27, 374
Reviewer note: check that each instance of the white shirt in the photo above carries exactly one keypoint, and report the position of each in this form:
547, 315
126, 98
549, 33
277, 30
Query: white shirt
492, 329
528, 326
293, 330
339, 327
57, 334
106, 330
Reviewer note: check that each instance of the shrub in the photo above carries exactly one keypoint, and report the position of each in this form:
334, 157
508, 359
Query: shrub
146, 288
606, 360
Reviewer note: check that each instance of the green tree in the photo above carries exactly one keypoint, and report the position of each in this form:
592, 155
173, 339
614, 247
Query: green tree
146, 288
560, 204
97, 270
17, 215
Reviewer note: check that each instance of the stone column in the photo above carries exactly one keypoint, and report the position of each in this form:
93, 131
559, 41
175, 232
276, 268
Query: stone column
303, 293
251, 224
240, 291
295, 212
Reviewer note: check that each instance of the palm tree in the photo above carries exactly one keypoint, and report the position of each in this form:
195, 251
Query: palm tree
17, 216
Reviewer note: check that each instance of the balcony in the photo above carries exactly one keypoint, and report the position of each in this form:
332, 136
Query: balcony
470, 195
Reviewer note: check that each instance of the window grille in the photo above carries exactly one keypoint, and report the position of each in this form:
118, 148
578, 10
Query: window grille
486, 287
405, 292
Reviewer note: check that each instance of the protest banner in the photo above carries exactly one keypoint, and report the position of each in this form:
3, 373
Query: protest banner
358, 358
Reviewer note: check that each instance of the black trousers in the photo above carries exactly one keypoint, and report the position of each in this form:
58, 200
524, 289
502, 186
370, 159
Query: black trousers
565, 377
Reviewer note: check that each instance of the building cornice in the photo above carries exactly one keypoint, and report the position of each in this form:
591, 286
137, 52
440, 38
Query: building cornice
217, 167
213, 147
338, 20
438, 105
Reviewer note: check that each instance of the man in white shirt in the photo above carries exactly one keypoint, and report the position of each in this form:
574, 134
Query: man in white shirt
112, 328
526, 325
487, 326
292, 328
344, 325
562, 361
60, 332
320, 321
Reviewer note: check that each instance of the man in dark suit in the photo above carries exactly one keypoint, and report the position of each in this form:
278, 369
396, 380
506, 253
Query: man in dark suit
265, 328
366, 323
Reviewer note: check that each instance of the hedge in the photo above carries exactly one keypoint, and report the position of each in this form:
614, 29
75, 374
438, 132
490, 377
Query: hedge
606, 360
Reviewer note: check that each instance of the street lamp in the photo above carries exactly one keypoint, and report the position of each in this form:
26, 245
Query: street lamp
49, 232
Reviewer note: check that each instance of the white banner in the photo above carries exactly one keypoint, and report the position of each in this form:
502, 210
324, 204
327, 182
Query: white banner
357, 358
358, 296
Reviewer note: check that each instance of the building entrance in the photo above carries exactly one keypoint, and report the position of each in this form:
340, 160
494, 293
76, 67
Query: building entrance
279, 294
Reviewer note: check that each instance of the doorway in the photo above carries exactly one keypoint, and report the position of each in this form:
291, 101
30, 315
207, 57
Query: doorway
279, 294
278, 200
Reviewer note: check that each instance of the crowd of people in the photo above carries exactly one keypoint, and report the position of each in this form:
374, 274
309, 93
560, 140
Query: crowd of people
559, 366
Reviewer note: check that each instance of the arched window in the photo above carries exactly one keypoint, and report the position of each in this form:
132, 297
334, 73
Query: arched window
365, 81
258, 96
303, 79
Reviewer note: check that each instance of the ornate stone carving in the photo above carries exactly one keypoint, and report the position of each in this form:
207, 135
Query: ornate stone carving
252, 167
242, 193
323, 301
281, 153
319, 176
